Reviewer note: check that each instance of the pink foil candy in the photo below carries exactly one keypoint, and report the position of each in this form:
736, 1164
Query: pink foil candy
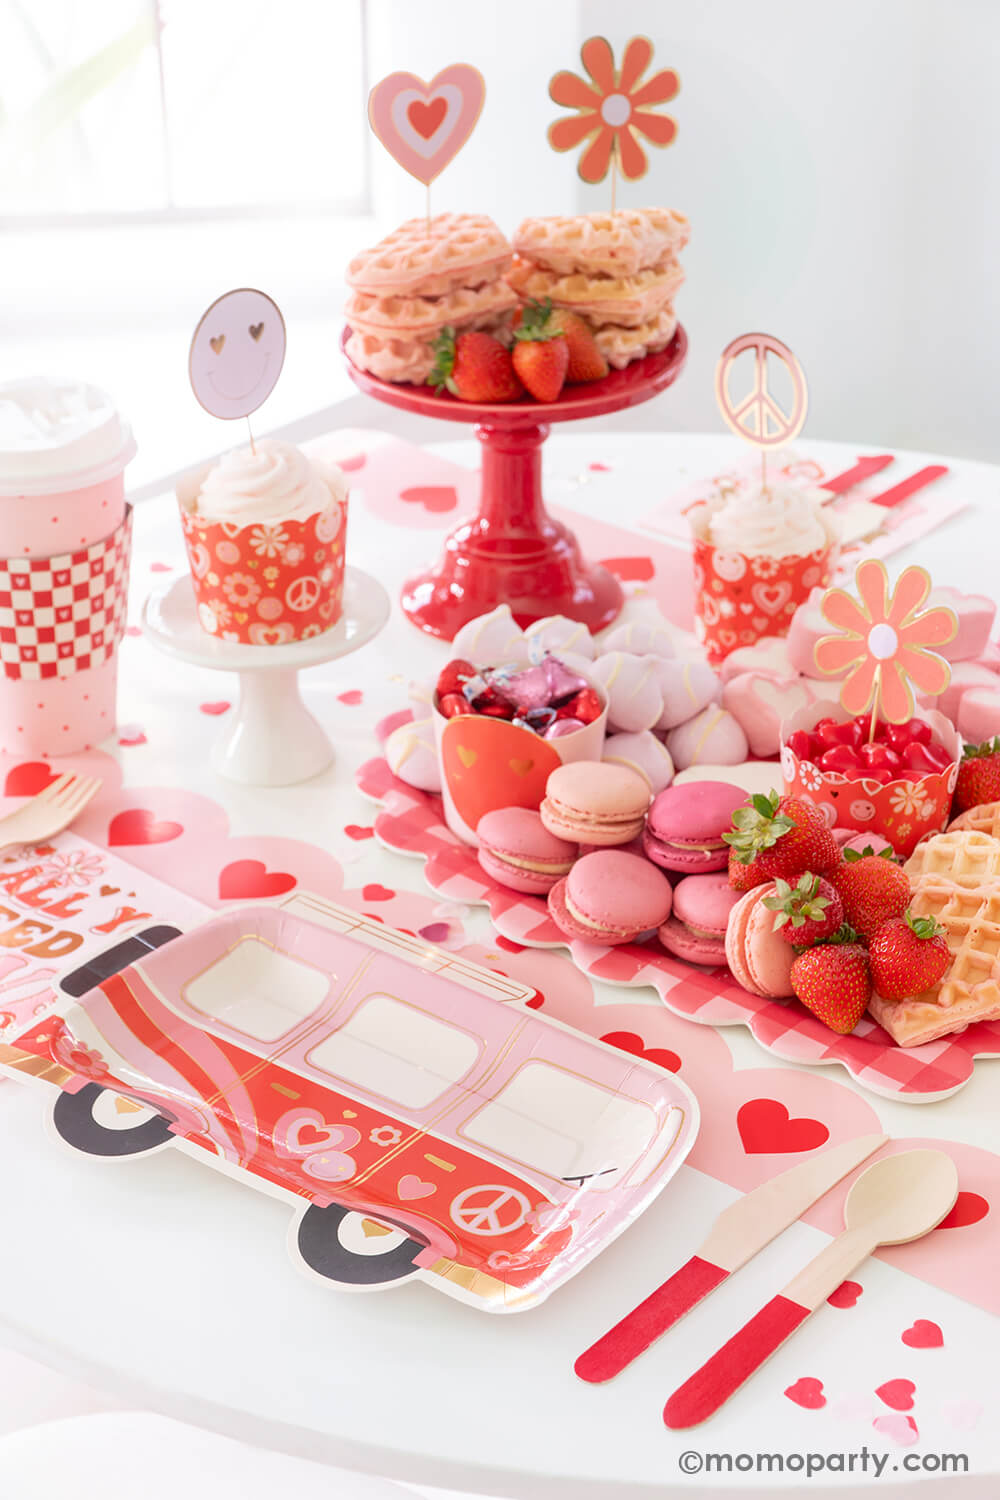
562, 727
562, 682
527, 690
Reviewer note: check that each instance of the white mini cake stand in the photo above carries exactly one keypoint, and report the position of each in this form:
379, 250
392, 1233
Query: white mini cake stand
272, 739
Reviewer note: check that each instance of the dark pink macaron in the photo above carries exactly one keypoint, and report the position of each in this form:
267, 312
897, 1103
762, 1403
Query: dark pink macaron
685, 825
518, 851
610, 897
696, 927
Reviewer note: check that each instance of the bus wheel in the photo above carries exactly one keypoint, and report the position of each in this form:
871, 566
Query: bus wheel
100, 1122
354, 1250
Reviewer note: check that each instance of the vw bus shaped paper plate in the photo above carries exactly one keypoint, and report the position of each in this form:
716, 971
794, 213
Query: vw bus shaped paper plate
422, 1119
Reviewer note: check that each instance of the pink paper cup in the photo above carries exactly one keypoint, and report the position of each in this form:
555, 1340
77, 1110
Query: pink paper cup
902, 811
738, 598
265, 584
489, 763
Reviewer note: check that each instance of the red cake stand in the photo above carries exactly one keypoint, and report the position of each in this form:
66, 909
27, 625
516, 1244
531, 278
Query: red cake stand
512, 551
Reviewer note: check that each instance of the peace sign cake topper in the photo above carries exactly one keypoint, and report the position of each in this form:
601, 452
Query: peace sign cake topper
613, 107
757, 416
424, 126
237, 351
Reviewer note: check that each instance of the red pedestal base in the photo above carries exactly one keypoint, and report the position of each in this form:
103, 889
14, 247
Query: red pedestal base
513, 552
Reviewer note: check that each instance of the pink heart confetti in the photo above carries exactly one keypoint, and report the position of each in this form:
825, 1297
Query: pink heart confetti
902, 1429
222, 706
352, 697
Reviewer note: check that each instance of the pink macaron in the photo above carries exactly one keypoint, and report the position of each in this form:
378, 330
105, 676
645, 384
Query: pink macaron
758, 957
593, 802
696, 927
519, 852
610, 897
685, 825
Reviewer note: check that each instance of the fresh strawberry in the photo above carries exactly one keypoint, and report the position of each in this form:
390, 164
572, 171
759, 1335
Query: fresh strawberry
873, 889
832, 980
978, 776
908, 955
474, 367
780, 836
743, 877
806, 913
541, 351
586, 362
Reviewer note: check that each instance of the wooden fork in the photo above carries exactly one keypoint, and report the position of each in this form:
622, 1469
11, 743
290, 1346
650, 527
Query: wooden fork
48, 813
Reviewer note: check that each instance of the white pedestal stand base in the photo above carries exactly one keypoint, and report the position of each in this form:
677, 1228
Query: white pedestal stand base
271, 739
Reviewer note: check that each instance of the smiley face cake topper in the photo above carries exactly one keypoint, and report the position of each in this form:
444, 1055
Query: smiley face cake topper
237, 352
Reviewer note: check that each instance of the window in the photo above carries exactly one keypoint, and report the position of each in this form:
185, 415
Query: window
258, 990
160, 107
397, 1052
563, 1126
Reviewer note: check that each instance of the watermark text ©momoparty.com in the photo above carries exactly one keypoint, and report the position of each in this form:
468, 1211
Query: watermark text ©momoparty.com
810, 1464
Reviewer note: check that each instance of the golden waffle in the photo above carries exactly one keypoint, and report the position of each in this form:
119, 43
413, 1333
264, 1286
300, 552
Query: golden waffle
962, 856
458, 250
612, 244
626, 300
419, 317
970, 989
621, 345
982, 819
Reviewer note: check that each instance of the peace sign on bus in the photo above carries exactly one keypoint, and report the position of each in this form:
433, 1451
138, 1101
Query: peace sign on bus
757, 417
490, 1209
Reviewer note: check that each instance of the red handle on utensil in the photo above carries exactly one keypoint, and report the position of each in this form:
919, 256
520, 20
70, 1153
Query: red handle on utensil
863, 469
734, 1363
908, 487
645, 1323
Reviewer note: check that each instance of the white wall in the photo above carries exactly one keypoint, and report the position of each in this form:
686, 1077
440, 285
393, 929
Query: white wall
838, 164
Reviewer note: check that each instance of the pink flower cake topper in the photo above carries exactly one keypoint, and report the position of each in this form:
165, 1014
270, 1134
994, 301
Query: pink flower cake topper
884, 641
613, 107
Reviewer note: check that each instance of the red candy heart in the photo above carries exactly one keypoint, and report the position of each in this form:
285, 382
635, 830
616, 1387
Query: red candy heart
840, 758
585, 705
800, 744
453, 677
876, 757
453, 704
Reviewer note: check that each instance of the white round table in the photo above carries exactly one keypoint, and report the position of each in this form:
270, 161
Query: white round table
170, 1284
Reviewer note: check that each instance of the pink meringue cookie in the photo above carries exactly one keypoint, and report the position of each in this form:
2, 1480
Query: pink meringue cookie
965, 676
767, 656
760, 704
642, 753
975, 614
807, 626
558, 634
979, 714
632, 687
687, 688
492, 640
711, 737
412, 755
640, 638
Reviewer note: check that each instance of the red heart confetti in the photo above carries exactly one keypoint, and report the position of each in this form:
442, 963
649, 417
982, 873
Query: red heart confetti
28, 779
221, 707
600, 468
352, 697
807, 1392
435, 498
765, 1128
628, 1041
248, 879
377, 893
352, 464
630, 569
508, 944
138, 825
159, 567
846, 1294
969, 1209
356, 832
131, 734
898, 1394
923, 1334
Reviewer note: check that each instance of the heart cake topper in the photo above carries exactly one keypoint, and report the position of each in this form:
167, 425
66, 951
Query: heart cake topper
613, 108
237, 352
423, 126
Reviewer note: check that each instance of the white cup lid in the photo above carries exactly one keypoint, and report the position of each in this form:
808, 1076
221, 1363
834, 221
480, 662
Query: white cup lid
53, 431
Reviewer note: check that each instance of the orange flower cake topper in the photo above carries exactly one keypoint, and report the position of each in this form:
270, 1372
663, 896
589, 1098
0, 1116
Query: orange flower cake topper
883, 641
613, 107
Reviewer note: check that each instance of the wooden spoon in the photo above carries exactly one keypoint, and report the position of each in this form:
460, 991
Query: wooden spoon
898, 1199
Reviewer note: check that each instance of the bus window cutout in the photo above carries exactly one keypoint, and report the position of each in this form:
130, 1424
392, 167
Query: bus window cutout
258, 990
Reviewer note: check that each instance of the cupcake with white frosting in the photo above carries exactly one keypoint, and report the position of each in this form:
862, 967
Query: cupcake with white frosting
758, 551
265, 528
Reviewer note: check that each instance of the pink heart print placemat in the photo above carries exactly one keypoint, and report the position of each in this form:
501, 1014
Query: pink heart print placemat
146, 856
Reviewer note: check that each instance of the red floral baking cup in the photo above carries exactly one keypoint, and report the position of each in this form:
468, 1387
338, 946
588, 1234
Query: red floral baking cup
902, 811
265, 585
738, 598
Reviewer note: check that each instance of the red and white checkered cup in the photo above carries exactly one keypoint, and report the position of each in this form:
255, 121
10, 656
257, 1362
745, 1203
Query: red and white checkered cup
65, 535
